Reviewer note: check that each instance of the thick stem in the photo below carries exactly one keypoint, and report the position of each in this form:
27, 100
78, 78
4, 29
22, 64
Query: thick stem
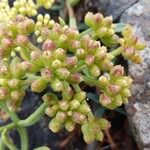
2, 145
116, 52
73, 2
72, 20
90, 81
22, 131
88, 31
76, 88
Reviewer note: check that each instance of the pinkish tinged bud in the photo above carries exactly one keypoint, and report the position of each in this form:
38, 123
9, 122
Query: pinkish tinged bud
128, 52
56, 64
89, 60
106, 65
14, 83
46, 74
89, 19
51, 111
74, 45
60, 54
62, 73
48, 45
4, 93
75, 78
63, 105
71, 61
117, 71
113, 89
5, 72
80, 53
104, 99
22, 40
57, 85
108, 21
7, 43
61, 116
78, 118
17, 95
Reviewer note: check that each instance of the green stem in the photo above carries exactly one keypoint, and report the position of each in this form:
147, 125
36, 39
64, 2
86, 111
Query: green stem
72, 20
7, 141
88, 31
116, 52
2, 145
79, 68
32, 47
73, 2
76, 88
90, 81
22, 131
34, 117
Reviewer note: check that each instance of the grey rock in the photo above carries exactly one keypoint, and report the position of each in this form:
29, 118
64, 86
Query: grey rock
107, 7
139, 107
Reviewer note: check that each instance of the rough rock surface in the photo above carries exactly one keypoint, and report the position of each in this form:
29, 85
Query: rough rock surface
139, 107
107, 7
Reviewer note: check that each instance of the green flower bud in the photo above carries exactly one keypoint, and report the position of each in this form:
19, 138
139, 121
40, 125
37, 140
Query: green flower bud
88, 132
78, 118
117, 100
131, 40
3, 82
60, 54
61, 116
140, 46
17, 95
117, 71
94, 71
36, 57
46, 74
18, 71
38, 85
69, 125
74, 104
47, 57
4, 53
100, 54
14, 83
50, 98
99, 135
56, 64
51, 111
55, 125
106, 65
67, 93
80, 96
125, 93
63, 105
80, 53
4, 93
136, 58
103, 81
57, 85
84, 109
5, 72
103, 123
89, 19
62, 73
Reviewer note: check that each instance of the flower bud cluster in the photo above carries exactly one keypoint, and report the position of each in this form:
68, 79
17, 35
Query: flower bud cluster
102, 27
12, 83
42, 25
25, 7
45, 3
115, 88
75, 110
131, 45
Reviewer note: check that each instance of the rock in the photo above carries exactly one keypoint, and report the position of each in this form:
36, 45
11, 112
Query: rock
139, 107
107, 7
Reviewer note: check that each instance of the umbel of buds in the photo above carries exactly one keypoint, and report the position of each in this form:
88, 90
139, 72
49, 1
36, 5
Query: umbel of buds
65, 60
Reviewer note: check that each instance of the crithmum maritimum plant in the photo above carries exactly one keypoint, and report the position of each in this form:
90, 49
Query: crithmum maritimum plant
65, 59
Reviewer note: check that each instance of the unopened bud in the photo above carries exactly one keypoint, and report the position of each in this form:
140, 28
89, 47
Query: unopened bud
22, 40
14, 83
57, 85
61, 116
17, 95
94, 71
84, 109
113, 89
80, 96
105, 100
128, 52
55, 125
74, 104
38, 85
62, 73
78, 117
89, 60
51, 111
117, 71
75, 78
63, 105
4, 93
69, 125
50, 98
48, 45
46, 74
125, 93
